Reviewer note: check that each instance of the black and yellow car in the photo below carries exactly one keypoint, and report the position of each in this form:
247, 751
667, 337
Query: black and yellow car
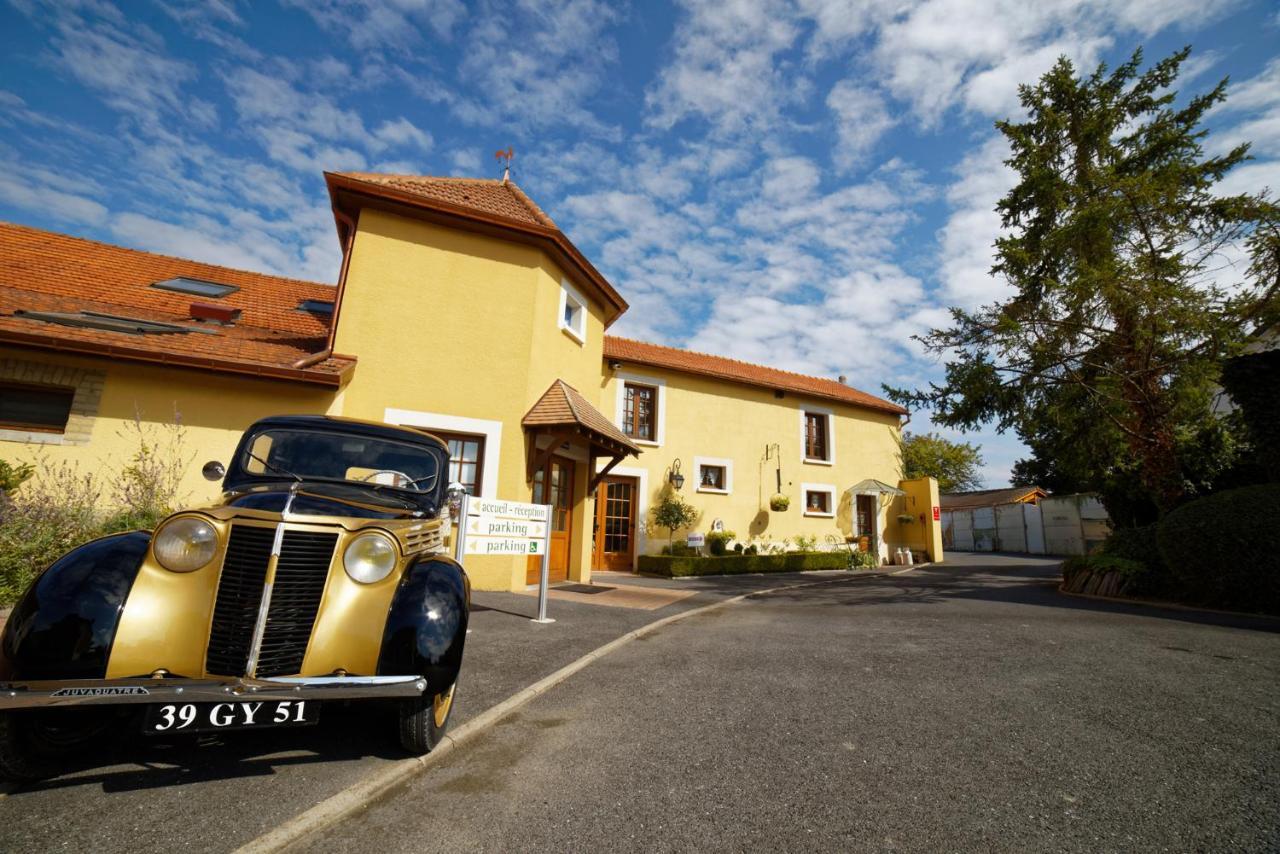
319, 576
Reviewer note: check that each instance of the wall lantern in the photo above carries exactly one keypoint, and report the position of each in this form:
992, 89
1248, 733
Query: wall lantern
676, 479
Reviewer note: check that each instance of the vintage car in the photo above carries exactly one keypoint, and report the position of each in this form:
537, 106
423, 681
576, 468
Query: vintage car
319, 576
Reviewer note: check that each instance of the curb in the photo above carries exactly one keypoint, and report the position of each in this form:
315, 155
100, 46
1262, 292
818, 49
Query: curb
358, 796
1171, 606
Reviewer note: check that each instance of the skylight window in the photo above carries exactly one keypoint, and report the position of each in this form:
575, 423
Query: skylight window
316, 306
196, 287
110, 322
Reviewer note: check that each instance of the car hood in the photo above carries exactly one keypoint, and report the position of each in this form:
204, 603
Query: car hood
325, 499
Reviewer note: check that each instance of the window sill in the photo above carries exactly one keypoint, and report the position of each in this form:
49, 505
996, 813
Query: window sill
32, 437
574, 334
819, 514
649, 443
712, 490
816, 462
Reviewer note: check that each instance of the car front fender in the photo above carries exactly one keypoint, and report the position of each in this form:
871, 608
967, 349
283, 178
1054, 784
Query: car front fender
65, 624
427, 623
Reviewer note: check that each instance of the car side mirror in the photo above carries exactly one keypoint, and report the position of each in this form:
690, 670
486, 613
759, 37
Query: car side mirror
213, 470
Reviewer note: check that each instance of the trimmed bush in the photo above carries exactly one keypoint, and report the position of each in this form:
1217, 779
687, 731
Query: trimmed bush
1224, 549
718, 542
680, 567
1139, 545
1102, 575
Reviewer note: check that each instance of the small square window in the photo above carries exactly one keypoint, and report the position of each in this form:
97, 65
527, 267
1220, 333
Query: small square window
711, 477
573, 314
818, 500
714, 475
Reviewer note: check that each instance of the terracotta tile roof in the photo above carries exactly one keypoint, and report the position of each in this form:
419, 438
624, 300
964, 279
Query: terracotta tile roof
563, 405
639, 352
49, 272
478, 204
988, 497
500, 198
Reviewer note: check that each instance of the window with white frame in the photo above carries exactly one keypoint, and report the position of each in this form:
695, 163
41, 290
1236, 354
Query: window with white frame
819, 499
714, 475
573, 313
641, 407
817, 436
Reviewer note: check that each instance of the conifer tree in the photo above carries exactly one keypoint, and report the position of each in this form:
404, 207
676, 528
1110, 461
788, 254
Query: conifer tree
1123, 303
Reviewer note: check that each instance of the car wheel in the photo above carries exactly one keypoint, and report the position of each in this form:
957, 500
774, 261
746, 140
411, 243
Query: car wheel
33, 743
424, 719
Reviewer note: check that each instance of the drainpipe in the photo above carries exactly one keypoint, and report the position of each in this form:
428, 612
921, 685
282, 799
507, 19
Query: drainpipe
347, 244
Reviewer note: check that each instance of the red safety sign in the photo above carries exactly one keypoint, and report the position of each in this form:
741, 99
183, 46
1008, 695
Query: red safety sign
937, 513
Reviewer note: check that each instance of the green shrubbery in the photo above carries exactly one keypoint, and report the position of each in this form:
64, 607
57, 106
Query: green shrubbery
681, 566
1224, 549
718, 542
1148, 575
56, 507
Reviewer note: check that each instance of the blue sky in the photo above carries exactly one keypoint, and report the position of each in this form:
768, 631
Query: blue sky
802, 183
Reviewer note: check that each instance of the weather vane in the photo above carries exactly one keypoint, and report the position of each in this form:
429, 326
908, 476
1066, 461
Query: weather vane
506, 157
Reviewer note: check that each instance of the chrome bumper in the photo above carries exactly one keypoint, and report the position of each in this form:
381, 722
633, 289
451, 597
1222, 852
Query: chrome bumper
102, 692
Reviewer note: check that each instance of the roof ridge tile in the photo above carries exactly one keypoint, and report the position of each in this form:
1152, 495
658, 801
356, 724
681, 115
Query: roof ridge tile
867, 399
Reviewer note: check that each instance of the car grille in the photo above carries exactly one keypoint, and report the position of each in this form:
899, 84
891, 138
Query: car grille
301, 572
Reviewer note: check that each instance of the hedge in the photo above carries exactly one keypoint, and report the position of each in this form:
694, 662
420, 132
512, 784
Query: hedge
1103, 575
1251, 380
1139, 545
1224, 549
682, 566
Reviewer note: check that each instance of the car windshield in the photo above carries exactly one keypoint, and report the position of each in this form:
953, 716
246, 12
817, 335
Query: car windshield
314, 455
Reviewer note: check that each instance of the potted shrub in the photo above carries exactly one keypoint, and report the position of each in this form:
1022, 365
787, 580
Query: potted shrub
779, 502
905, 518
718, 542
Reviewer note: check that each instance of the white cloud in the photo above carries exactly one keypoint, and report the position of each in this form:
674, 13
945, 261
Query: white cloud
940, 53
465, 163
967, 238
727, 68
385, 23
861, 117
404, 133
535, 65
128, 66
45, 193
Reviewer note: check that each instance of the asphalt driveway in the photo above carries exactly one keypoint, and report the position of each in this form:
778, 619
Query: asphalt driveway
137, 794
955, 708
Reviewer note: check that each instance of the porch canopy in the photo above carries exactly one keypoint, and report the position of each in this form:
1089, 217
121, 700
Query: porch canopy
844, 513
563, 415
871, 486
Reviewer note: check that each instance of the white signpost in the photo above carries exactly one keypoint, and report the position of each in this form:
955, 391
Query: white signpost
491, 527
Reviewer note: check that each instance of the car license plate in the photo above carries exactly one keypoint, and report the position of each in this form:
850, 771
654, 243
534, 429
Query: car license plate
248, 714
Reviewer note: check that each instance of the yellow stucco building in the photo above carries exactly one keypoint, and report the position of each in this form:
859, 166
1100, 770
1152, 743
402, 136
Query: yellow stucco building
460, 308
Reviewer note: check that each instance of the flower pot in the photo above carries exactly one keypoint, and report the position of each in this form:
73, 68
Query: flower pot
779, 502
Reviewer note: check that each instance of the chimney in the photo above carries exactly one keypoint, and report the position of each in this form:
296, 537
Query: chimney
220, 314
843, 379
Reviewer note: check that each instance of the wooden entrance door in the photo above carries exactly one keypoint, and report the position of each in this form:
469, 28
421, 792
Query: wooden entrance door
615, 540
553, 485
866, 506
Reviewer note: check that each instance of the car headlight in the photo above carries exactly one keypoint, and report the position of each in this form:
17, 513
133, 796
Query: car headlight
185, 544
369, 558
